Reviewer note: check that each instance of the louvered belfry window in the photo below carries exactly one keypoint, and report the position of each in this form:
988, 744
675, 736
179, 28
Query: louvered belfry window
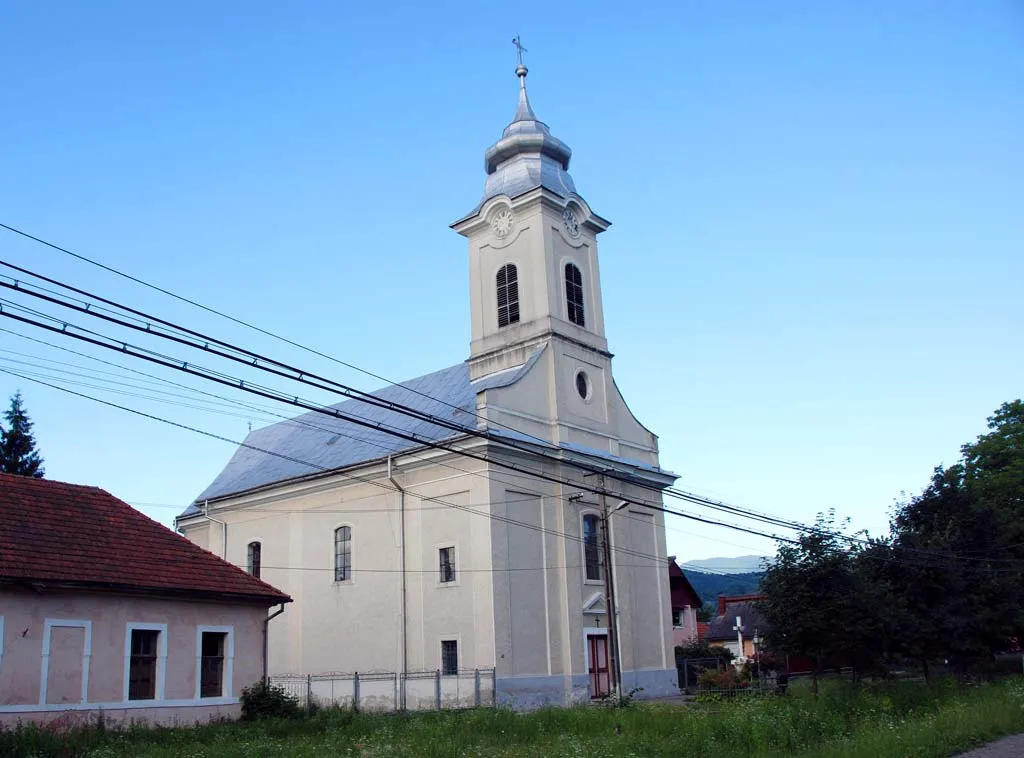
574, 293
508, 295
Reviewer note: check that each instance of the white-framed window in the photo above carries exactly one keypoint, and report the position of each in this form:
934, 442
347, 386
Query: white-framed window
215, 661
574, 294
254, 558
343, 554
677, 617
592, 563
446, 564
450, 657
145, 661
507, 282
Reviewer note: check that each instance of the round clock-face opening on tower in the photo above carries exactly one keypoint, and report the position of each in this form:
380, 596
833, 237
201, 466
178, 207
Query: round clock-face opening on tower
501, 222
582, 385
571, 223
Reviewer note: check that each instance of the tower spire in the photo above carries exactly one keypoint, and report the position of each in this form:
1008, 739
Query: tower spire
523, 112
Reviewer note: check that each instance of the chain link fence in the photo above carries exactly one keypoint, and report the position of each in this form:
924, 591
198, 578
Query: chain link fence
391, 691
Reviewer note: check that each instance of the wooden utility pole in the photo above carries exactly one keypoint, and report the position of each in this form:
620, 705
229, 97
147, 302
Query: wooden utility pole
609, 595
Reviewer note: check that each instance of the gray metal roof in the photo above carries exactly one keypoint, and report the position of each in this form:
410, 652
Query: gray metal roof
314, 442
526, 157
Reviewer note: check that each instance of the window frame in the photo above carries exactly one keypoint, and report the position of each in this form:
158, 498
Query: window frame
443, 668
256, 564
587, 579
572, 289
452, 565
512, 303
227, 664
160, 672
347, 578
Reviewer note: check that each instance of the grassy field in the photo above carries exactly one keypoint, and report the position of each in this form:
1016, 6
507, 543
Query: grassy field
847, 721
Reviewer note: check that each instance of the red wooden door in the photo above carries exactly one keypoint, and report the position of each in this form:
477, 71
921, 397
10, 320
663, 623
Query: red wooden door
600, 678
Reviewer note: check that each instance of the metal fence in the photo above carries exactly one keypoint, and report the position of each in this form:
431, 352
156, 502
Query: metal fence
391, 691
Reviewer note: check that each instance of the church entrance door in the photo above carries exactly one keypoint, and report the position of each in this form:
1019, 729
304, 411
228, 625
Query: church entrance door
600, 676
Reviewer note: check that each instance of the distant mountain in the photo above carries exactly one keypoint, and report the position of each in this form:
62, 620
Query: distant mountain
743, 564
710, 586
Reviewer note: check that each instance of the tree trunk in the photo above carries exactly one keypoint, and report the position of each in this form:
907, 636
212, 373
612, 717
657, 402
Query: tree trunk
927, 670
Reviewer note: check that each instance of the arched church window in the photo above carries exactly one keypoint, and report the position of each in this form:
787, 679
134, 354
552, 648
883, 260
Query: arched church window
342, 553
574, 293
508, 295
591, 547
254, 559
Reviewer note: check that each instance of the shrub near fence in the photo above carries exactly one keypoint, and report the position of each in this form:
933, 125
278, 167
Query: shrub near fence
391, 691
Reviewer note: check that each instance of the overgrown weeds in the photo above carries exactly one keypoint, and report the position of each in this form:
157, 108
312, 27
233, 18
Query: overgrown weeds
885, 720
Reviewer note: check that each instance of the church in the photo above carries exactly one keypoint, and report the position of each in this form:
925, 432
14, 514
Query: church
458, 528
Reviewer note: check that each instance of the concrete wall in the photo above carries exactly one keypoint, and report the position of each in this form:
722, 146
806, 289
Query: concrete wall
59, 646
356, 624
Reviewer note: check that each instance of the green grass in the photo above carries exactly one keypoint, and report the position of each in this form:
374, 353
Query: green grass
847, 721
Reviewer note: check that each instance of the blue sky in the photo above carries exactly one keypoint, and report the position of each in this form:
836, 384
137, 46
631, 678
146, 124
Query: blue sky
813, 281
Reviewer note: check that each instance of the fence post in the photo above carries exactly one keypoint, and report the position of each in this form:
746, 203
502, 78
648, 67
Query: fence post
437, 688
309, 693
494, 687
476, 688
686, 675
396, 691
355, 693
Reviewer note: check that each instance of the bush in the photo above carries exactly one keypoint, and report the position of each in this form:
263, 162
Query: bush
727, 679
703, 650
264, 700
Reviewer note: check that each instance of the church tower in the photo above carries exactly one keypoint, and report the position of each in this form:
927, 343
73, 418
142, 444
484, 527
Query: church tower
535, 283
533, 250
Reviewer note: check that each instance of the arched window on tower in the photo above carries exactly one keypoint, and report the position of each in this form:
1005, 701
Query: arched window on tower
574, 293
508, 295
255, 558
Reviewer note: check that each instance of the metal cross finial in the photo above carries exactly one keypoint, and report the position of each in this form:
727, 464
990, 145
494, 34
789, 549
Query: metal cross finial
520, 49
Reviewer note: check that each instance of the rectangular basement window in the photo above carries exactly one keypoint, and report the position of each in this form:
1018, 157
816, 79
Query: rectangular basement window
211, 669
449, 657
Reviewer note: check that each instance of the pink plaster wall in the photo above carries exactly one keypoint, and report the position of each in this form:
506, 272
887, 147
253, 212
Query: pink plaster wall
24, 613
682, 635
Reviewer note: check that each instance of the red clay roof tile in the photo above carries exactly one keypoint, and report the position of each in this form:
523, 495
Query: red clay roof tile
72, 534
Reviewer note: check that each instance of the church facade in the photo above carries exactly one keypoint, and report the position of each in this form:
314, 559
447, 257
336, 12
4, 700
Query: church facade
458, 527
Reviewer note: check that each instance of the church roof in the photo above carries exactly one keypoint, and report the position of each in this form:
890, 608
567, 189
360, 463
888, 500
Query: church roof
314, 443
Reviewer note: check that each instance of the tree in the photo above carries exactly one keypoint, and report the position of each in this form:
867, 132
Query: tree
18, 454
818, 604
957, 552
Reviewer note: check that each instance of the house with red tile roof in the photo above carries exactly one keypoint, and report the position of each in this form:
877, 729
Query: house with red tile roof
104, 609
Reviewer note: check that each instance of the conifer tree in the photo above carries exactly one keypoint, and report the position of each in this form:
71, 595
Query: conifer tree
18, 454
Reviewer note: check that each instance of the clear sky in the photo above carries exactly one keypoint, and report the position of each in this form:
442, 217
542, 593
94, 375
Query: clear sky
813, 281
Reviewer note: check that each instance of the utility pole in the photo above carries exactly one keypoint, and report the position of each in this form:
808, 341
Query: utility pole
609, 594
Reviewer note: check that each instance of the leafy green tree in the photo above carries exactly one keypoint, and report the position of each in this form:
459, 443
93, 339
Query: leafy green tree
958, 549
18, 454
819, 604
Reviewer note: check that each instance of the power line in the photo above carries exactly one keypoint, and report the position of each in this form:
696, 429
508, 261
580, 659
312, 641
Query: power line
492, 516
255, 360
265, 392
299, 422
672, 492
